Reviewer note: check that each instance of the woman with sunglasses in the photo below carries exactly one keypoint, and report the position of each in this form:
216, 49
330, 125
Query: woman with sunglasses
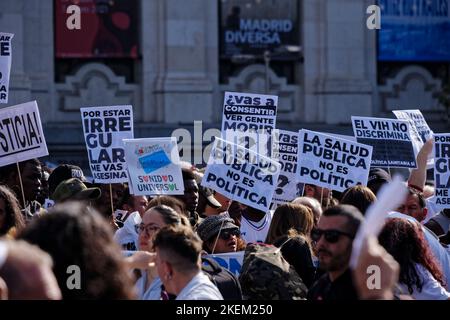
290, 229
219, 235
155, 218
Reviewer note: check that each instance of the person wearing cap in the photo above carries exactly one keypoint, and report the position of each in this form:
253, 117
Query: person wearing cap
64, 172
207, 203
74, 189
219, 234
377, 178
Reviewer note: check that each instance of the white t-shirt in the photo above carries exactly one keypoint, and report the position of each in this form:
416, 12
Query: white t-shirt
432, 209
127, 237
200, 288
252, 231
431, 288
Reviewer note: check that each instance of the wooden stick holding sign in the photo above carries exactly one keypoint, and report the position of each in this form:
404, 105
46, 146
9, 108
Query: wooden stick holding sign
111, 197
21, 186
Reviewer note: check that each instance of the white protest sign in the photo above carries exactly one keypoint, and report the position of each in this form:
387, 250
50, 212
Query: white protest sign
390, 139
249, 119
21, 135
389, 198
442, 170
419, 130
331, 162
5, 65
154, 166
285, 151
232, 261
241, 174
416, 117
104, 128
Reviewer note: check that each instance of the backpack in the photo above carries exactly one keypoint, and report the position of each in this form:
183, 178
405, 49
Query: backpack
227, 283
266, 275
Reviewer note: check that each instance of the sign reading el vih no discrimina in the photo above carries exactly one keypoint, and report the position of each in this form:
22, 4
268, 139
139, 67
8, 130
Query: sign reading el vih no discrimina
21, 134
104, 128
154, 166
332, 162
390, 139
241, 174
5, 65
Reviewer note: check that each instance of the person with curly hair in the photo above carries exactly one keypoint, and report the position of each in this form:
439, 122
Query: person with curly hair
11, 219
77, 235
420, 274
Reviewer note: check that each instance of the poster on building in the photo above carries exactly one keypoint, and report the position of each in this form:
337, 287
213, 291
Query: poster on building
104, 128
390, 139
249, 119
331, 162
251, 27
5, 64
442, 170
285, 147
21, 134
414, 30
154, 166
241, 174
108, 29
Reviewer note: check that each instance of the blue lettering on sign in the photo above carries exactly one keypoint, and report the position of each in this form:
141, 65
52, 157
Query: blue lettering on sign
154, 161
233, 266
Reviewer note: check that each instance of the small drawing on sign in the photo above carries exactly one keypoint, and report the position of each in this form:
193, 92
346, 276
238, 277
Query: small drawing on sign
154, 161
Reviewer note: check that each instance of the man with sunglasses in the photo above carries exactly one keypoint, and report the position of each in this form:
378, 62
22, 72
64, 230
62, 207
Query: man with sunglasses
333, 240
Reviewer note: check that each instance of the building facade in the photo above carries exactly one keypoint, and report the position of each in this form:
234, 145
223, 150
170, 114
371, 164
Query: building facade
180, 69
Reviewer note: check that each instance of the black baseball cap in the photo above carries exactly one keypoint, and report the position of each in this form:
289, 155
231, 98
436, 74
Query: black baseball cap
64, 172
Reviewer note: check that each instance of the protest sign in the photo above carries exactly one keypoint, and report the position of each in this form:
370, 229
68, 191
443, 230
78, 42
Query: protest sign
5, 65
21, 135
390, 139
154, 166
285, 151
104, 128
442, 170
232, 261
332, 162
248, 120
416, 118
241, 174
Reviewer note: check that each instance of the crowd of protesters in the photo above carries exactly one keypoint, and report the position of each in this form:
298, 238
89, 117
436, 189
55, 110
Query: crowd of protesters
151, 248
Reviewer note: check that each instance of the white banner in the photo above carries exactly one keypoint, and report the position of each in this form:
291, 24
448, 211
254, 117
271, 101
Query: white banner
21, 135
416, 117
442, 170
331, 162
5, 65
232, 261
390, 139
154, 166
242, 175
285, 151
104, 128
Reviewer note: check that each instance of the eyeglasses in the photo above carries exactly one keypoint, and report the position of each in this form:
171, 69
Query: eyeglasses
227, 234
150, 228
331, 235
